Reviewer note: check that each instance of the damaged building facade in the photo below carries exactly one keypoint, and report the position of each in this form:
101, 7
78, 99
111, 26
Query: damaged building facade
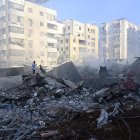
28, 32
41, 32
80, 41
12, 36
119, 39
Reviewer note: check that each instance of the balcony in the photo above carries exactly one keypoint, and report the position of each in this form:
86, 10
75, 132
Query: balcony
3, 25
52, 49
52, 22
82, 42
51, 40
16, 47
52, 31
52, 25
17, 35
2, 14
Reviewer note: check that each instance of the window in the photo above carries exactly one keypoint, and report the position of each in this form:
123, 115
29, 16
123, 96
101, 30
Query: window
82, 42
61, 41
2, 31
16, 52
51, 26
16, 29
30, 21
80, 28
93, 38
93, 51
30, 43
15, 6
41, 14
68, 27
2, 21
2, 43
30, 10
50, 35
2, 8
66, 40
74, 40
51, 45
2, 53
93, 44
52, 54
51, 17
30, 33
16, 41
93, 31
41, 24
16, 19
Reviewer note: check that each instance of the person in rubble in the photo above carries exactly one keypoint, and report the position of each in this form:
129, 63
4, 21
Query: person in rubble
34, 67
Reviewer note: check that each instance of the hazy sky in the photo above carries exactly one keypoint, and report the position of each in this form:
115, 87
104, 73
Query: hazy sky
96, 11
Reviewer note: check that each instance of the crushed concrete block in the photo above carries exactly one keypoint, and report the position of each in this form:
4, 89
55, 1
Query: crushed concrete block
70, 84
103, 119
66, 71
33, 80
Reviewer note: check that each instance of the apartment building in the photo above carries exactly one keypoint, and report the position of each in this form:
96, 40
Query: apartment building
80, 41
120, 41
12, 50
28, 32
60, 42
41, 34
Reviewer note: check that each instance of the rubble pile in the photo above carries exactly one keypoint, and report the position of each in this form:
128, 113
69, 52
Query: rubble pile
133, 69
60, 109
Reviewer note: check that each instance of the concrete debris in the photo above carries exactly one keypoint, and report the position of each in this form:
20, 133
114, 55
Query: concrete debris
66, 71
10, 82
133, 69
33, 80
103, 72
48, 107
48, 134
103, 119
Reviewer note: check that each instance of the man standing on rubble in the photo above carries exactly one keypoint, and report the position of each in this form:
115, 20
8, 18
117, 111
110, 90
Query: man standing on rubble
34, 67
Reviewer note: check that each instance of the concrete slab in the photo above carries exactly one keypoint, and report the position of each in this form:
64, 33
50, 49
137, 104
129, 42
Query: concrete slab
66, 71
